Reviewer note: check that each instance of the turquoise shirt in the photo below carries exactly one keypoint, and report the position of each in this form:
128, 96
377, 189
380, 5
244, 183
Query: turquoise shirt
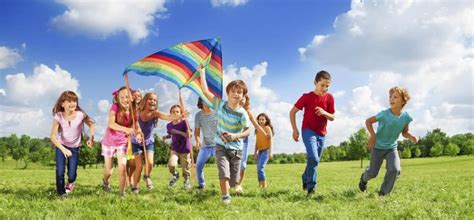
230, 121
389, 128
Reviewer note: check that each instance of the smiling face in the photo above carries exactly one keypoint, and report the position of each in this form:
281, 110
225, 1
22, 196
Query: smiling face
69, 105
152, 102
123, 98
137, 96
235, 95
262, 121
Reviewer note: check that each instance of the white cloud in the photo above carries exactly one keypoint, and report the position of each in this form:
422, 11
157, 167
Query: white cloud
103, 105
45, 84
9, 57
418, 45
230, 3
31, 121
108, 17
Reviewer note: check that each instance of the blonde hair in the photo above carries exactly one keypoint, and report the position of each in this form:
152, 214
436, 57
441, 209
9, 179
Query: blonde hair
403, 92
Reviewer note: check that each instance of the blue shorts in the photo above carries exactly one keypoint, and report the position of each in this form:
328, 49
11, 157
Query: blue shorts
138, 148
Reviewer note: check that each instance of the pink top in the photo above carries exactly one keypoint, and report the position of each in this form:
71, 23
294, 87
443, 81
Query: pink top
70, 131
113, 138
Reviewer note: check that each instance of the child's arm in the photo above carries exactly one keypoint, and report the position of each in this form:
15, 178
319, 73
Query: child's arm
321, 112
204, 87
178, 132
370, 128
270, 142
255, 123
167, 117
197, 137
296, 133
235, 136
91, 126
406, 134
54, 132
113, 125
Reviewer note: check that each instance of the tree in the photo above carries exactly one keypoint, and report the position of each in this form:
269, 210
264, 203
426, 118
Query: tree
469, 149
451, 149
436, 150
431, 139
358, 145
3, 149
406, 153
462, 141
417, 152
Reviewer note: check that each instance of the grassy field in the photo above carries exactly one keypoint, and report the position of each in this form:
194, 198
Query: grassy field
427, 188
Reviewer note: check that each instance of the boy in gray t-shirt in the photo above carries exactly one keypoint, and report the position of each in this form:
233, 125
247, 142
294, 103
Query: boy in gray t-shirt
206, 121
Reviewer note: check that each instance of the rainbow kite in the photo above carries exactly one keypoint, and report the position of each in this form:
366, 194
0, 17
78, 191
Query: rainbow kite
179, 63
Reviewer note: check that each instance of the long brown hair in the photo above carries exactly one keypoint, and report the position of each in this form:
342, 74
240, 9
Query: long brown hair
268, 122
144, 103
72, 97
121, 114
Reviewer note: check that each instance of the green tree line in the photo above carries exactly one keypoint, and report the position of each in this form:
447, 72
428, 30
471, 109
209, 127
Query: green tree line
434, 144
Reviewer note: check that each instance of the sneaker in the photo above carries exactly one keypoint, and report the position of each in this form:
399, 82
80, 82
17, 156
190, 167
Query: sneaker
382, 193
69, 188
187, 184
135, 190
311, 192
174, 179
201, 188
226, 200
238, 190
105, 186
149, 184
362, 184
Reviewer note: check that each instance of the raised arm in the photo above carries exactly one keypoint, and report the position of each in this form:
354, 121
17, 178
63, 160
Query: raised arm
296, 133
256, 125
205, 89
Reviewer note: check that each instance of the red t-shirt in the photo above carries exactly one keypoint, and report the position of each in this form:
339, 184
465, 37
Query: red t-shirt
309, 101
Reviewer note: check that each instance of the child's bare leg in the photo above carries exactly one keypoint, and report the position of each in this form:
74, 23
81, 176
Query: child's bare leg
122, 163
108, 165
138, 170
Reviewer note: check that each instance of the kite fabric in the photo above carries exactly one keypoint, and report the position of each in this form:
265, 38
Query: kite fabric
179, 63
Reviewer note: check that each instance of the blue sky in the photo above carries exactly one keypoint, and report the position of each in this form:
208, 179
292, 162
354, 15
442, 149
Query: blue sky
276, 46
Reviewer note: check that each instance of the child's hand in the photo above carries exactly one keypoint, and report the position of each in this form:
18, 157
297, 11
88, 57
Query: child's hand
230, 136
413, 139
139, 138
130, 131
319, 111
90, 142
201, 69
371, 142
255, 155
296, 135
270, 155
66, 152
185, 114
198, 145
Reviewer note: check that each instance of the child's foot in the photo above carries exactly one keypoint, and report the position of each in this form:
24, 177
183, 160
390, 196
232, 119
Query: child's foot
201, 188
174, 179
105, 186
311, 192
362, 184
226, 200
382, 193
304, 184
69, 188
239, 190
149, 184
187, 184
135, 191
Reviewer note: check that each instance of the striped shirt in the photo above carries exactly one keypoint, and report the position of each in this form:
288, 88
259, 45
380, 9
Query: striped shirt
231, 121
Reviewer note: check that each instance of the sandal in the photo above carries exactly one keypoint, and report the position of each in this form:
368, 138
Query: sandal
148, 185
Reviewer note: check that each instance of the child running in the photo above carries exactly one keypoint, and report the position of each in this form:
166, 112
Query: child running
391, 122
232, 125
263, 147
318, 108
69, 120
180, 147
206, 121
116, 136
147, 120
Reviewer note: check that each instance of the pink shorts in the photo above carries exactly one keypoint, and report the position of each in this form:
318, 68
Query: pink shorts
112, 151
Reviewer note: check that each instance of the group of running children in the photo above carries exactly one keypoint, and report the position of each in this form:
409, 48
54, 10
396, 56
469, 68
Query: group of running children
225, 129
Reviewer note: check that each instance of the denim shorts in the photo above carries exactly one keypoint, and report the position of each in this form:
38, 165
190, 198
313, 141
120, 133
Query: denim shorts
138, 148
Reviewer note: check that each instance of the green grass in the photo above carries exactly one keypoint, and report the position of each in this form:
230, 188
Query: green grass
427, 188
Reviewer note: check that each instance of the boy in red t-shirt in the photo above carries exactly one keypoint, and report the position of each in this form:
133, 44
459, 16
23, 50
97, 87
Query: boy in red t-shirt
318, 109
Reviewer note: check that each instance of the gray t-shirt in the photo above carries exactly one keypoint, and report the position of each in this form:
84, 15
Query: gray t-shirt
208, 126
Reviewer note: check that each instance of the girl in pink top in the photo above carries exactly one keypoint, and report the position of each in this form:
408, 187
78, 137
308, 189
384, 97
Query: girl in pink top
68, 122
116, 137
